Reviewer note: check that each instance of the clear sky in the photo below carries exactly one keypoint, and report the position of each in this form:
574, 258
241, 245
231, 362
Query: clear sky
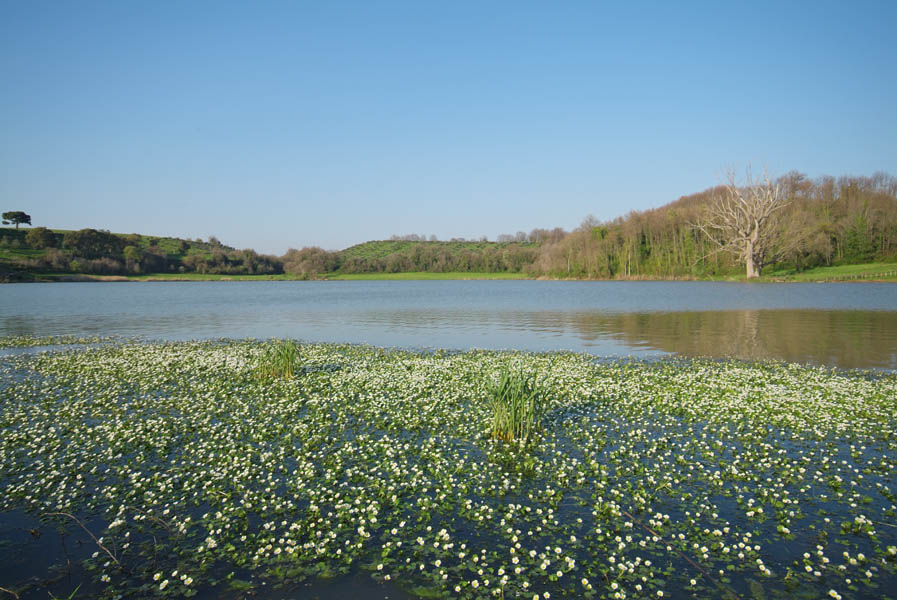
285, 124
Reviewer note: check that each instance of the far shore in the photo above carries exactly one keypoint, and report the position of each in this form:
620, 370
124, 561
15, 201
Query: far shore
870, 273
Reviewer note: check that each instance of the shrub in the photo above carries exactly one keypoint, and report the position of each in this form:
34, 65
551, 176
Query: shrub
518, 406
102, 266
40, 238
90, 243
56, 260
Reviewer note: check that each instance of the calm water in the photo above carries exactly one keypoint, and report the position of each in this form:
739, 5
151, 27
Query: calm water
844, 325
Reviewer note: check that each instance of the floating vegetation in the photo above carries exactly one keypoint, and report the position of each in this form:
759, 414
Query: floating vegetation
665, 479
27, 341
517, 406
280, 359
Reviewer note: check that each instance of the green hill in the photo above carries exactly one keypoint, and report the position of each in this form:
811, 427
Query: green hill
13, 244
382, 249
401, 256
831, 223
98, 252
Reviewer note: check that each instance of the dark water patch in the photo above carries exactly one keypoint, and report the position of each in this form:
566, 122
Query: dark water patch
38, 557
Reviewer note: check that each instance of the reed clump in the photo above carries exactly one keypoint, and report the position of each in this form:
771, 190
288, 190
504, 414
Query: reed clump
279, 360
518, 406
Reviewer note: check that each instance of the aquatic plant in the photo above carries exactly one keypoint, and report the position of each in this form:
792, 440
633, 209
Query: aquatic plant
518, 406
687, 478
279, 359
28, 341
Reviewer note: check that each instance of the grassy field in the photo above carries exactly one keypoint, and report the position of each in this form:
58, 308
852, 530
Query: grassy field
422, 275
869, 271
10, 254
181, 469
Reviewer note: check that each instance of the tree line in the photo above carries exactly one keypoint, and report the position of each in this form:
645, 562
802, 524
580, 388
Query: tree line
812, 222
791, 222
100, 252
819, 222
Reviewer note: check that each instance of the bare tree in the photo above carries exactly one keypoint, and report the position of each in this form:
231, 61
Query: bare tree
738, 221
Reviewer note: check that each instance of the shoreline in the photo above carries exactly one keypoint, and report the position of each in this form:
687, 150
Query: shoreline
156, 278
872, 272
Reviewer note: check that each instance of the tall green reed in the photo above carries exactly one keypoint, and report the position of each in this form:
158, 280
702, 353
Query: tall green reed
518, 406
280, 359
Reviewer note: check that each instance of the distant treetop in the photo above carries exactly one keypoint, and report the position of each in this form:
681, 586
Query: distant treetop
15, 217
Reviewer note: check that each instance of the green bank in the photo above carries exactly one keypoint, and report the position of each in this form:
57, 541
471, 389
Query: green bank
421, 275
879, 271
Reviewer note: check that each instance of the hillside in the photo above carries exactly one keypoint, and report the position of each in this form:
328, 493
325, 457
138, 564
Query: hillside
58, 252
823, 223
381, 249
37, 252
398, 256
14, 245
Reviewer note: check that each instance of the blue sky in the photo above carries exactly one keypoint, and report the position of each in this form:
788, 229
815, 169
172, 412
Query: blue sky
285, 124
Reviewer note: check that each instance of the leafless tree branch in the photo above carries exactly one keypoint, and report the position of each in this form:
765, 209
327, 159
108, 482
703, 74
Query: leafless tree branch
739, 220
92, 536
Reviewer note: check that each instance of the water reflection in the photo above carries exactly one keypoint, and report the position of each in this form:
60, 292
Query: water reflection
845, 338
849, 326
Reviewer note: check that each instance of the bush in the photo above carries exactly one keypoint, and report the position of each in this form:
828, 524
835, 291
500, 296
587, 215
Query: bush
310, 261
102, 266
90, 243
56, 260
40, 238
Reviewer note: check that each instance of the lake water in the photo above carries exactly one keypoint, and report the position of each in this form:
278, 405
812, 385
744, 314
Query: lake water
843, 325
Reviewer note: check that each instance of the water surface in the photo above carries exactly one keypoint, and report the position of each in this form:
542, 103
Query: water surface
843, 325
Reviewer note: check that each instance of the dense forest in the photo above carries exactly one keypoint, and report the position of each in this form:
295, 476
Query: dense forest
826, 221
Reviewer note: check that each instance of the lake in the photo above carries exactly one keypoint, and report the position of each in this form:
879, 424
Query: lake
379, 474
841, 325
